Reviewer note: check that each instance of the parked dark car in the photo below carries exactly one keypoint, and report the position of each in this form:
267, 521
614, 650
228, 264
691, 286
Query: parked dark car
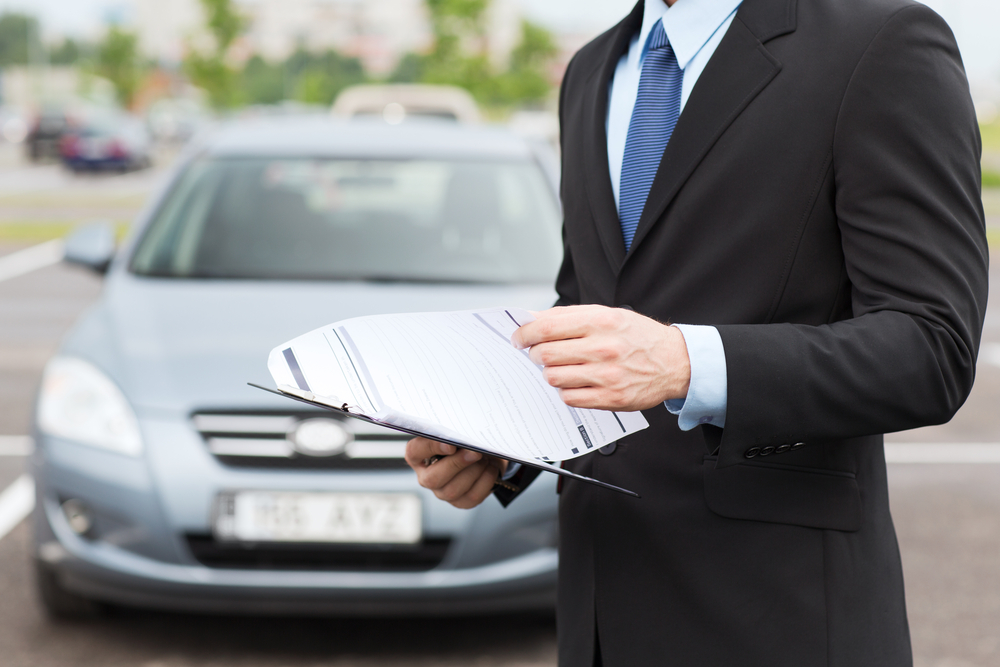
111, 142
46, 133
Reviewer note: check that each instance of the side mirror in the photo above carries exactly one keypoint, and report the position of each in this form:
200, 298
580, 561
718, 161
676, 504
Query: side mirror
92, 245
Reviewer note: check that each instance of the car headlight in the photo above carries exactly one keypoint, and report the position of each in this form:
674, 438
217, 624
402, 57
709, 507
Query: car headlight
80, 403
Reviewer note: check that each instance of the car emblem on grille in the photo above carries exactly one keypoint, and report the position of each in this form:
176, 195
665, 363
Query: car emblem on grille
319, 437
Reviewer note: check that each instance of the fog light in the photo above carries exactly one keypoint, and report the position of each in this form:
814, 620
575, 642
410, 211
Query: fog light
77, 516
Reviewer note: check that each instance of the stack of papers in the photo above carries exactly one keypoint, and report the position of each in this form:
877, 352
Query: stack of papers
454, 377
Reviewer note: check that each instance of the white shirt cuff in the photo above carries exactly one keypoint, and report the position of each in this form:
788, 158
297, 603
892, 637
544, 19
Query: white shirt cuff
707, 394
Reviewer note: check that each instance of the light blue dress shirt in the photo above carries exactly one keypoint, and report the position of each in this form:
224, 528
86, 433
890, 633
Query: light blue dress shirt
694, 28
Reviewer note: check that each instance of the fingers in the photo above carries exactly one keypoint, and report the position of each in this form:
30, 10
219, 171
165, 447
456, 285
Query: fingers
594, 348
461, 477
581, 375
480, 490
562, 324
419, 450
442, 472
593, 398
445, 469
471, 486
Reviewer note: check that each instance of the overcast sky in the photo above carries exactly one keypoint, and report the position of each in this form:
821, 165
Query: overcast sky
975, 22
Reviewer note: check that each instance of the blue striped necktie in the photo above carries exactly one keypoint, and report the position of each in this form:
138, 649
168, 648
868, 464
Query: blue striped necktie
657, 107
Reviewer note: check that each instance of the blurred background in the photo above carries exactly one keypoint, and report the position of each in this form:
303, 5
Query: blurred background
101, 102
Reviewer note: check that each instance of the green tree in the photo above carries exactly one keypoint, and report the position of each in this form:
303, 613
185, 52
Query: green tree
17, 34
527, 80
209, 70
262, 82
69, 52
314, 78
409, 70
460, 57
117, 60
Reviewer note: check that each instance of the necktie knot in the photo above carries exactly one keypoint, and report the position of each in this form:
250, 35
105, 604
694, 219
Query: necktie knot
658, 37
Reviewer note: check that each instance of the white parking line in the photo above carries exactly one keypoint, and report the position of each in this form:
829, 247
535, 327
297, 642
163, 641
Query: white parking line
16, 445
30, 259
16, 502
942, 452
990, 353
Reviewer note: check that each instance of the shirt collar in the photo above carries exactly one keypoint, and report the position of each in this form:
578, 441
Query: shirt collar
689, 24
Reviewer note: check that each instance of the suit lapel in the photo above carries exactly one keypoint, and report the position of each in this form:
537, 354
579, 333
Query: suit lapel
598, 174
740, 68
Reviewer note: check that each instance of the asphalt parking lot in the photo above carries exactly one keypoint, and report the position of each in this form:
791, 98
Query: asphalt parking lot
947, 514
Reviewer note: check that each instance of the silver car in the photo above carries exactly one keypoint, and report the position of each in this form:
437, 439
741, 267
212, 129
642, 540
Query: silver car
146, 428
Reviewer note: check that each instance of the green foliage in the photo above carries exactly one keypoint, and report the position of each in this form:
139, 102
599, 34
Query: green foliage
262, 82
991, 135
17, 33
454, 17
313, 78
70, 52
214, 76
223, 22
409, 70
117, 60
536, 50
210, 71
527, 79
459, 57
991, 179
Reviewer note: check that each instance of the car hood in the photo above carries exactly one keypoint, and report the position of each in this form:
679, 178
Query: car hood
179, 346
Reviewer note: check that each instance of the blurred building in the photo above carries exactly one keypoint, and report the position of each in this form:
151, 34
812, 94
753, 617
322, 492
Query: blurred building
379, 32
28, 88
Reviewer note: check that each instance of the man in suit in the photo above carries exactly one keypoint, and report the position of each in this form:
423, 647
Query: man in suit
798, 182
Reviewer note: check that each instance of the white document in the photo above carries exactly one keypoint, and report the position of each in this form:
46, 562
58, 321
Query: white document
452, 375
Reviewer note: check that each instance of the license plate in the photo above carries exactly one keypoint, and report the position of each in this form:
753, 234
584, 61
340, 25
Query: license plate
360, 518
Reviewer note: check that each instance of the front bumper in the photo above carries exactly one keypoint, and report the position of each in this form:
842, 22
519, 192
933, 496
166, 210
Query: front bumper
131, 565
100, 571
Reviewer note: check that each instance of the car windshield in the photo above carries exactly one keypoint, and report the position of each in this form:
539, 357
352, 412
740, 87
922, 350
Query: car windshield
356, 219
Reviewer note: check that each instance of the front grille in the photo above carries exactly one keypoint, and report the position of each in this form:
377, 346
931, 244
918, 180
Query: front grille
321, 557
264, 439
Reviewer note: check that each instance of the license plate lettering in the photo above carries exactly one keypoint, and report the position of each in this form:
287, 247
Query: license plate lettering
266, 516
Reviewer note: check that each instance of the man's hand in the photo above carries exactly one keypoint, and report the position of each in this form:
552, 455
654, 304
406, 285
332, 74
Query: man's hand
607, 358
459, 476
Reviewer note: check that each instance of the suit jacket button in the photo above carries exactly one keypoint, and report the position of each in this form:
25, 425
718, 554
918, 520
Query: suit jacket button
767, 450
782, 449
609, 448
752, 452
798, 444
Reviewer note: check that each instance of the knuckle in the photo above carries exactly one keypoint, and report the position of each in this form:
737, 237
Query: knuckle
614, 375
606, 318
606, 351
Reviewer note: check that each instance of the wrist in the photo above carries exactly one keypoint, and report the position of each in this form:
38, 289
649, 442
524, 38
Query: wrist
676, 365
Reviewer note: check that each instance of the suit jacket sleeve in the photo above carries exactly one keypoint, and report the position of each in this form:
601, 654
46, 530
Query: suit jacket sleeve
907, 175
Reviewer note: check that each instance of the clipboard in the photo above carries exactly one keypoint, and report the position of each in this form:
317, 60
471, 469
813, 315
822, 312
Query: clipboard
531, 463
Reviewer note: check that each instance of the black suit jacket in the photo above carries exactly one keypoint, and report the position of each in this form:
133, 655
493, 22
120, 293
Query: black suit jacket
819, 202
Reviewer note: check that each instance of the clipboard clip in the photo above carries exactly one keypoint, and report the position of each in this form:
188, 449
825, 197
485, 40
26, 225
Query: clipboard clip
331, 401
